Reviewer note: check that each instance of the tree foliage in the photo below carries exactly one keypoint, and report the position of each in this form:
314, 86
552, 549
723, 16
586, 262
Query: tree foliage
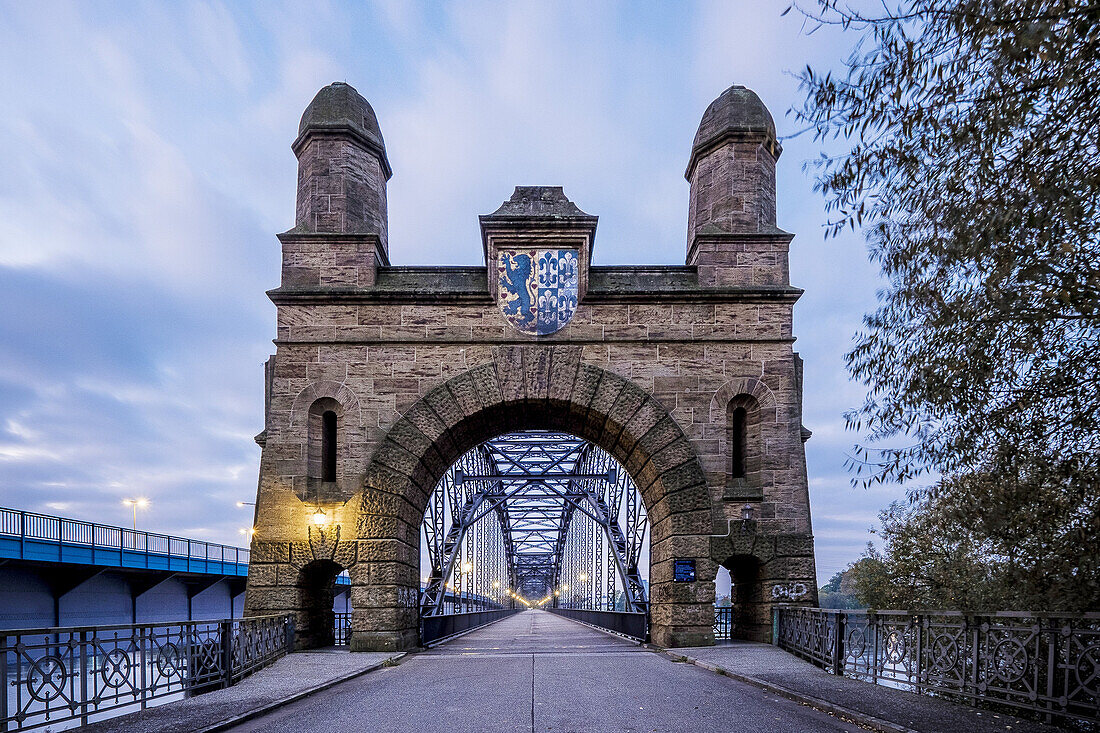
970, 132
840, 591
928, 561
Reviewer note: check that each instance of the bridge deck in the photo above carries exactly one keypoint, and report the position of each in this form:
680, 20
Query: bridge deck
537, 671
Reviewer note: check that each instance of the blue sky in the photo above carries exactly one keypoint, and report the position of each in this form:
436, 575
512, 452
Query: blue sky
147, 167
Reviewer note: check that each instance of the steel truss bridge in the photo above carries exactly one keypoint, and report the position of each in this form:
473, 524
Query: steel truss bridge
535, 518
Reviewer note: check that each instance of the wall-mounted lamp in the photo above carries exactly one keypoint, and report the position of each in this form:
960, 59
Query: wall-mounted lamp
748, 512
319, 518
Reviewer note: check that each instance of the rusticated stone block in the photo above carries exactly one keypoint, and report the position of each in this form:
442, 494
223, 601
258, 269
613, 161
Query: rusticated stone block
268, 552
383, 619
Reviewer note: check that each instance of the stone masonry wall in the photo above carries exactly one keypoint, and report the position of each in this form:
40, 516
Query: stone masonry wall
341, 188
379, 358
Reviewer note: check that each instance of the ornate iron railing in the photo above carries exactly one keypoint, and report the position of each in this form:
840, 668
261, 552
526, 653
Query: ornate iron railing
723, 623
53, 675
1041, 662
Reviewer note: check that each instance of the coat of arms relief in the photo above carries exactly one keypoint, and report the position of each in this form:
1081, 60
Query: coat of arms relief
537, 250
537, 288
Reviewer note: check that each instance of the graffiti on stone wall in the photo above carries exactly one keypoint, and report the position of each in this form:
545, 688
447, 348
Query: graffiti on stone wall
789, 592
409, 598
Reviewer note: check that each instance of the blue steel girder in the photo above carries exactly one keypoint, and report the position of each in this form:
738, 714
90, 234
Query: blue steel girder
536, 485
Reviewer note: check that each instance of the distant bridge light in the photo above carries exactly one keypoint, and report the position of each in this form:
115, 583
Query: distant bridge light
135, 504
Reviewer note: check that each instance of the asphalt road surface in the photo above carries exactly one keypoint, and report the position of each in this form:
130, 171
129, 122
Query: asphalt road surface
535, 671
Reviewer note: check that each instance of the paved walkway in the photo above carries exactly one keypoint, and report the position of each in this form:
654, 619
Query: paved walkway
535, 671
899, 710
292, 675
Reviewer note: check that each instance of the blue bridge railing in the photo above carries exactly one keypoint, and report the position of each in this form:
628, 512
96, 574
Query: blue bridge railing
43, 538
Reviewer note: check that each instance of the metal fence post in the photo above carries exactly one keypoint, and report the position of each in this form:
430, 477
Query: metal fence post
775, 626
4, 684
144, 635
838, 644
227, 651
84, 671
1052, 654
873, 625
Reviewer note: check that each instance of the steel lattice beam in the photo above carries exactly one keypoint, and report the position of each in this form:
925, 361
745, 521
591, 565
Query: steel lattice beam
559, 508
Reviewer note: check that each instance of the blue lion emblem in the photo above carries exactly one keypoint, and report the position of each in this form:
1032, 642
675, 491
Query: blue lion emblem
537, 289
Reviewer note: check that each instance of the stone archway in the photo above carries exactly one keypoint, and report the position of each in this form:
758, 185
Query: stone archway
528, 387
420, 363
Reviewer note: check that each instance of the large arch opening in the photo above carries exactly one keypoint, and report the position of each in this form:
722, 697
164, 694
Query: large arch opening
533, 388
535, 519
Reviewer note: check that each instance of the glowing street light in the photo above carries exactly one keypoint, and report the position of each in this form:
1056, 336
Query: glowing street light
245, 503
247, 531
467, 567
135, 504
319, 517
584, 577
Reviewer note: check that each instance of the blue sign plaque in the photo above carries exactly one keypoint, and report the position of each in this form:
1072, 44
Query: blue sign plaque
683, 571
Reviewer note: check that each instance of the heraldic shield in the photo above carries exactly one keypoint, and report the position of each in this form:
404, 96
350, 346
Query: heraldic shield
537, 288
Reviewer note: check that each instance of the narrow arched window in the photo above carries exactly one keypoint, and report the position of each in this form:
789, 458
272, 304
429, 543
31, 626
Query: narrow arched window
739, 442
328, 446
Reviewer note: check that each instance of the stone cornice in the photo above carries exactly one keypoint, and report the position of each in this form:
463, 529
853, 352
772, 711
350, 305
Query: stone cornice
295, 235
288, 296
729, 136
344, 130
777, 235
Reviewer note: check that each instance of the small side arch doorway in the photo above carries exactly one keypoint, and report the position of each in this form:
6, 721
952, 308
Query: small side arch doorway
316, 623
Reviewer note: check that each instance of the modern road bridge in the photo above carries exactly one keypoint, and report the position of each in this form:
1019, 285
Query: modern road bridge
56, 571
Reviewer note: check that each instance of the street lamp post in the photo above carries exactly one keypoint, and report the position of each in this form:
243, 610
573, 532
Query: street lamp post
135, 504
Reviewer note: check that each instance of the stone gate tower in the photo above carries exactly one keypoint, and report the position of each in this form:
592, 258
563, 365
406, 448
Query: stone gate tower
384, 375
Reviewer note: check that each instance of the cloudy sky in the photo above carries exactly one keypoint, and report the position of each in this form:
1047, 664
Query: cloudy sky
145, 152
